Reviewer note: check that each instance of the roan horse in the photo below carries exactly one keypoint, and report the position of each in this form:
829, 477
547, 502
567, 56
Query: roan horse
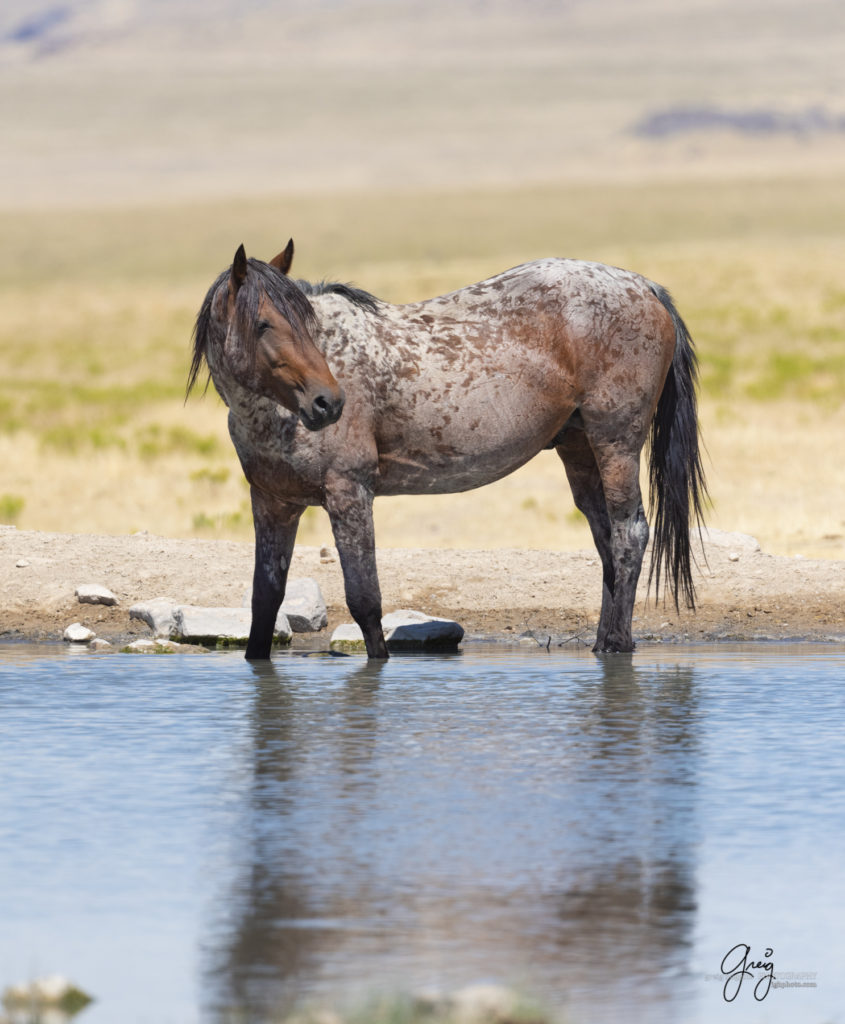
335, 397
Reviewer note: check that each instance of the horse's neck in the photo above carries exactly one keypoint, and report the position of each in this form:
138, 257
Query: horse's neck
247, 406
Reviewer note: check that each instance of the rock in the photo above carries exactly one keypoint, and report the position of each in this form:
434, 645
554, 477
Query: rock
21, 563
76, 633
347, 637
326, 556
737, 542
412, 630
161, 646
93, 593
50, 994
99, 645
489, 1004
404, 630
158, 614
222, 627
303, 605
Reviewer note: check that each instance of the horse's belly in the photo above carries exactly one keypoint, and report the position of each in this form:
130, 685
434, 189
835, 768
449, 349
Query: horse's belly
444, 461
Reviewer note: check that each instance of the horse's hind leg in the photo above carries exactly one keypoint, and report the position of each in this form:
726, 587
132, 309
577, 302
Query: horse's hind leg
350, 508
275, 532
619, 468
582, 471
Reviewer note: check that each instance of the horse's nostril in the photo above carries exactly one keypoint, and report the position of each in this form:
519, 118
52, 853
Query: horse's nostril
322, 404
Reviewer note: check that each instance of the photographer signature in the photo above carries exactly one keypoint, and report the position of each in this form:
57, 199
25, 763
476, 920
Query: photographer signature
738, 966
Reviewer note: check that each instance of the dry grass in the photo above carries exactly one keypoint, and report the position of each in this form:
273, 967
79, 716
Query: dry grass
97, 311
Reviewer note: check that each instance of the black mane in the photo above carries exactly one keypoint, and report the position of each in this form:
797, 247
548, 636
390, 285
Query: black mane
291, 299
357, 296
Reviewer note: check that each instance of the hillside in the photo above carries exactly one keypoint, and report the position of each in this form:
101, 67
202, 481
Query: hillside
122, 101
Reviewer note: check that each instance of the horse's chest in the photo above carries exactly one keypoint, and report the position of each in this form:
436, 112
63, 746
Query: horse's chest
278, 457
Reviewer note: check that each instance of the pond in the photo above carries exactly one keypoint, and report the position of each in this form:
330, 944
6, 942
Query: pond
194, 838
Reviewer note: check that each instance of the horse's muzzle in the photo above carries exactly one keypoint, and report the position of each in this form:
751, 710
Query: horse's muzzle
325, 408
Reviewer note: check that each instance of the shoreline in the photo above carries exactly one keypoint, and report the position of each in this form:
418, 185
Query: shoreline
743, 594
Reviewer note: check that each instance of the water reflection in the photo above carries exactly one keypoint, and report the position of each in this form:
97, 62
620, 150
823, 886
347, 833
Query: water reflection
425, 823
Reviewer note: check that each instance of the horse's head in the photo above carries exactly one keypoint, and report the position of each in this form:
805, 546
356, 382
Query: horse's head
255, 327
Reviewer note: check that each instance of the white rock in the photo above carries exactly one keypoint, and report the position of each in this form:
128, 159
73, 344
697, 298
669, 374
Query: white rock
220, 626
347, 637
39, 994
483, 1004
408, 629
21, 563
93, 593
157, 614
98, 644
159, 646
76, 633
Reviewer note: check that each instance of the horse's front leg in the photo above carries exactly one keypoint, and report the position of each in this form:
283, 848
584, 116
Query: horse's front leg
350, 508
275, 531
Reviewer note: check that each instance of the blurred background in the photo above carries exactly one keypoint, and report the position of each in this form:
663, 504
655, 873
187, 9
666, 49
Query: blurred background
414, 147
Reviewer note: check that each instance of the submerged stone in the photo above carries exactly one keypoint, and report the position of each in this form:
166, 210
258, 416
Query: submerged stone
161, 646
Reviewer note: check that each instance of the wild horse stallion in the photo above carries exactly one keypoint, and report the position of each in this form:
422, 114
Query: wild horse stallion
335, 397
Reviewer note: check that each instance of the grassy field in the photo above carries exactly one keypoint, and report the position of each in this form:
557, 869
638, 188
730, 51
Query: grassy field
96, 310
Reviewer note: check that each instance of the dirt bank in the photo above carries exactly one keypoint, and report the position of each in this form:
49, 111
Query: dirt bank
743, 592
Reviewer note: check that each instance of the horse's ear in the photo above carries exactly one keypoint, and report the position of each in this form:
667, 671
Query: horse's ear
284, 259
238, 269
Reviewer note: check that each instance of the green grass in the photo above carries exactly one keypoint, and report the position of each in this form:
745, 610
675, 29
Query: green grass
11, 506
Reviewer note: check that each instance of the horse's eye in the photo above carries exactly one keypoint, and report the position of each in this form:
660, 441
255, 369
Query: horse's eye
262, 326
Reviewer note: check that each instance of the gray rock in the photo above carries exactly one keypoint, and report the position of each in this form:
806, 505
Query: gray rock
98, 644
158, 614
412, 630
76, 633
221, 626
94, 593
404, 630
303, 605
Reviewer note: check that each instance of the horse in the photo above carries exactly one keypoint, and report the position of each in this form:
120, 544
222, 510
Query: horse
336, 397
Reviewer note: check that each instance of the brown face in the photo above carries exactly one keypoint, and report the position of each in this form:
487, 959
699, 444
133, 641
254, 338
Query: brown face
293, 372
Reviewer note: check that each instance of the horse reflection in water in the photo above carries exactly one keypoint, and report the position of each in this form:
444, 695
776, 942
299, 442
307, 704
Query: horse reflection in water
336, 397
372, 860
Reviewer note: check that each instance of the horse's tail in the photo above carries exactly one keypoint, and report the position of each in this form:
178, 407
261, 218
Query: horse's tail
677, 488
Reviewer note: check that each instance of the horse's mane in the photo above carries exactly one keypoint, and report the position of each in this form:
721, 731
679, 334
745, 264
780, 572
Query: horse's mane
357, 296
291, 299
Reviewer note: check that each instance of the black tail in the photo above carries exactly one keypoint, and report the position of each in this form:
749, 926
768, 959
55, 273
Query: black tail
677, 489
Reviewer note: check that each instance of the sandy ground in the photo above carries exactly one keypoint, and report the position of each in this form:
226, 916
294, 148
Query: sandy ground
744, 593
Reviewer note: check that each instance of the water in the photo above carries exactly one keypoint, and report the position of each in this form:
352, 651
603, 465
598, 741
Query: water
191, 838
